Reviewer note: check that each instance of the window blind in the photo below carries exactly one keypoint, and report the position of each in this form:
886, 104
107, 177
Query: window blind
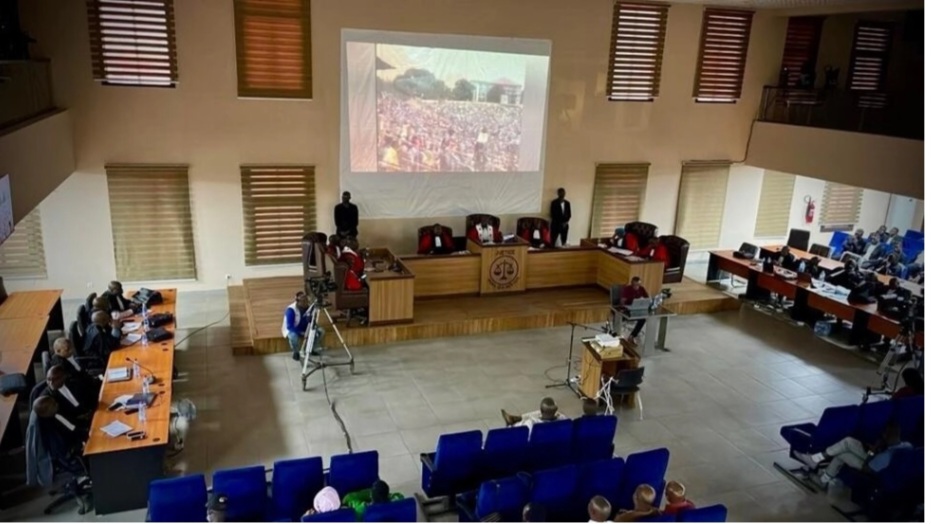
869, 60
638, 35
803, 37
772, 216
273, 48
278, 205
702, 192
150, 214
133, 42
722, 56
619, 190
22, 255
840, 207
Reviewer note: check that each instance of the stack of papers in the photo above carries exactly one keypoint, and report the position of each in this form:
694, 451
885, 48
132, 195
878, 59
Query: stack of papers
607, 341
116, 428
119, 374
129, 327
620, 251
131, 339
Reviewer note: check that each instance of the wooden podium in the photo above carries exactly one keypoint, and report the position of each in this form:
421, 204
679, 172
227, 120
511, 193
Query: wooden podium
504, 266
594, 367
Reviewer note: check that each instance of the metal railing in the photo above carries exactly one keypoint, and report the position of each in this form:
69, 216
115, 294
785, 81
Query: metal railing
875, 112
25, 91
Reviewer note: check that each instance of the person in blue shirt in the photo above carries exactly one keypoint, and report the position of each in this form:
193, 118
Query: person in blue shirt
294, 325
852, 453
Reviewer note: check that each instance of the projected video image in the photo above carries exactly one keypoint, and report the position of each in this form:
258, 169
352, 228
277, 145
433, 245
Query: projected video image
448, 110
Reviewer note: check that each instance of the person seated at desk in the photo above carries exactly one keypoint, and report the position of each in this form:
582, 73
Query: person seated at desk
785, 259
855, 244
656, 251
118, 302
548, 412
812, 267
617, 240
355, 276
76, 396
103, 336
631, 241
630, 293
63, 355
889, 265
435, 242
484, 233
60, 435
863, 291
848, 276
538, 236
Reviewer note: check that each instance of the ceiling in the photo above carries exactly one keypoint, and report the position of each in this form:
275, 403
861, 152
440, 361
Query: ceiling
782, 4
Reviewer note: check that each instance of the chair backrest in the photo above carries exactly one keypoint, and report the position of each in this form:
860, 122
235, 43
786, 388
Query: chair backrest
320, 258
76, 337
909, 413
246, 490
423, 230
678, 249
555, 490
181, 499
646, 467
459, 453
550, 444
340, 515
506, 497
476, 218
593, 437
89, 305
798, 238
309, 248
532, 223
616, 293
820, 250
294, 485
506, 451
873, 419
906, 466
353, 471
83, 319
716, 513
628, 378
644, 230
404, 510
599, 477
838, 239
835, 424
749, 249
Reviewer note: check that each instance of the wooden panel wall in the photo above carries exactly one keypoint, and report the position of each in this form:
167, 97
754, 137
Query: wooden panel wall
444, 275
561, 267
391, 300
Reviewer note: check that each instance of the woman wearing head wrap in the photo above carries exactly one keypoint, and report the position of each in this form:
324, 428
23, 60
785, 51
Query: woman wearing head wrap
326, 500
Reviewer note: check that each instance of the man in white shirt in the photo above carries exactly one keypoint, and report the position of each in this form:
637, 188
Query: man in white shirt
548, 412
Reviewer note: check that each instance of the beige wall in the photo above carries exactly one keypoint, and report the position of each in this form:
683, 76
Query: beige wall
202, 122
38, 157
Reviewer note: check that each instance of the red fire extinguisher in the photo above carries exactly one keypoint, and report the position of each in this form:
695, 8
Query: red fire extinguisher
809, 209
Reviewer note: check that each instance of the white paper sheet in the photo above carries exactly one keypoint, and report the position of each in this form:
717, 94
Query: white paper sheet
116, 428
131, 339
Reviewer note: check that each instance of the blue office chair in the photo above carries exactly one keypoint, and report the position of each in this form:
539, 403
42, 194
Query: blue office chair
294, 485
340, 515
246, 490
507, 451
873, 419
909, 415
555, 490
593, 437
716, 513
600, 477
890, 495
179, 499
550, 445
353, 471
454, 466
646, 467
404, 510
506, 497
835, 424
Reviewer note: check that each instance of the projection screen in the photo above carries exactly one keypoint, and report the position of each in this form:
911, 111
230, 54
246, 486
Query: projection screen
442, 125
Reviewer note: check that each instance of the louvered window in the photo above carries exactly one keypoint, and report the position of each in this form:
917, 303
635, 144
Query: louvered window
133, 42
638, 35
702, 192
772, 217
273, 48
150, 214
22, 255
619, 190
803, 37
869, 60
840, 207
279, 207
722, 57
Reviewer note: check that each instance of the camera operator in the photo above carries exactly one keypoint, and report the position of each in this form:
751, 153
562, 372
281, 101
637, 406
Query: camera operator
294, 326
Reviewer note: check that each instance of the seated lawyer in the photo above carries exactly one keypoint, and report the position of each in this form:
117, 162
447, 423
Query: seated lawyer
855, 244
656, 251
103, 336
484, 233
63, 355
355, 275
60, 435
537, 233
333, 246
436, 241
785, 259
118, 302
76, 396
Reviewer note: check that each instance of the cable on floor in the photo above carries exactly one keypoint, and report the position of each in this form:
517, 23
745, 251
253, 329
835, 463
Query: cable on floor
339, 419
198, 330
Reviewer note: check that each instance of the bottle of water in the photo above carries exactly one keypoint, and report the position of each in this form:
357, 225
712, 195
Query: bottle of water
145, 325
145, 387
136, 372
142, 411
801, 267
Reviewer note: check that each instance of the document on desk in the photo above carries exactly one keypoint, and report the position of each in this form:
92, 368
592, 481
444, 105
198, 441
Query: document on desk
130, 339
129, 327
619, 251
120, 374
116, 428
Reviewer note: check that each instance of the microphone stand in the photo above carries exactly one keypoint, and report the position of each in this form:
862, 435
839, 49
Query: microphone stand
568, 382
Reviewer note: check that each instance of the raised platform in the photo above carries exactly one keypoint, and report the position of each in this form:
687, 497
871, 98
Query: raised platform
256, 310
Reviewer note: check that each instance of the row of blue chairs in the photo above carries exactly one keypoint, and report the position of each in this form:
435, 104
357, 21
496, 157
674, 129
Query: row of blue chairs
461, 461
566, 491
294, 484
913, 244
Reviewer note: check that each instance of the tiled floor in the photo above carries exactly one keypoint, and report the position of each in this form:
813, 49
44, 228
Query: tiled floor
716, 401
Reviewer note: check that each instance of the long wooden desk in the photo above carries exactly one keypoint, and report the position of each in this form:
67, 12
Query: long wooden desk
614, 268
829, 265
121, 468
445, 275
391, 293
30, 304
564, 266
20, 340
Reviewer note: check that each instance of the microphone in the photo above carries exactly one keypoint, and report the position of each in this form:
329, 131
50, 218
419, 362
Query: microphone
152, 379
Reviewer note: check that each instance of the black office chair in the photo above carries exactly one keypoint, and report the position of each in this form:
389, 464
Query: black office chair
82, 319
76, 335
627, 382
820, 250
798, 238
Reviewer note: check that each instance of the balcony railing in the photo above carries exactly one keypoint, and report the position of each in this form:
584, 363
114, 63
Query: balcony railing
876, 113
25, 91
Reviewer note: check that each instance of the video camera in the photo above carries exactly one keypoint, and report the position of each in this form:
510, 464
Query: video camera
320, 287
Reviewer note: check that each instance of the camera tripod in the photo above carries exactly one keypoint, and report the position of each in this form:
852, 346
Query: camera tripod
313, 363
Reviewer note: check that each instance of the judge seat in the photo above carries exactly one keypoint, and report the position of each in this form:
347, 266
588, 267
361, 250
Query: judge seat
426, 230
643, 230
678, 249
476, 218
532, 223
346, 300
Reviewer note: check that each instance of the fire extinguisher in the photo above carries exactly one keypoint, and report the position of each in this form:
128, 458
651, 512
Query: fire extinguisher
809, 209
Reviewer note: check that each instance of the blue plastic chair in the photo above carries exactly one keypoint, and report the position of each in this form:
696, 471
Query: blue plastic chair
874, 417
550, 445
835, 424
398, 511
340, 515
555, 490
601, 477
716, 513
837, 243
179, 499
506, 452
593, 437
506, 497
646, 467
246, 490
899, 486
294, 484
909, 414
454, 466
353, 471
662, 517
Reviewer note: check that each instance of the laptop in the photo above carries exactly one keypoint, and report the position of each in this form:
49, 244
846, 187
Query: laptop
639, 306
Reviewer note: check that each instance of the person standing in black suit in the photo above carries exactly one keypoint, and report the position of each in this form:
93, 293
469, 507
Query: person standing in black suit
346, 216
560, 213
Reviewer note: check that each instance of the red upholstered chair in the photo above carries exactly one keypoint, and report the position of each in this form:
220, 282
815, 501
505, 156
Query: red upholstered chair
678, 249
428, 230
476, 218
532, 224
643, 230
346, 300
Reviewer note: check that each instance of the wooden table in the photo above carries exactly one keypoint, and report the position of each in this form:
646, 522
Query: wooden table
28, 304
504, 266
391, 292
615, 268
594, 367
21, 339
121, 468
